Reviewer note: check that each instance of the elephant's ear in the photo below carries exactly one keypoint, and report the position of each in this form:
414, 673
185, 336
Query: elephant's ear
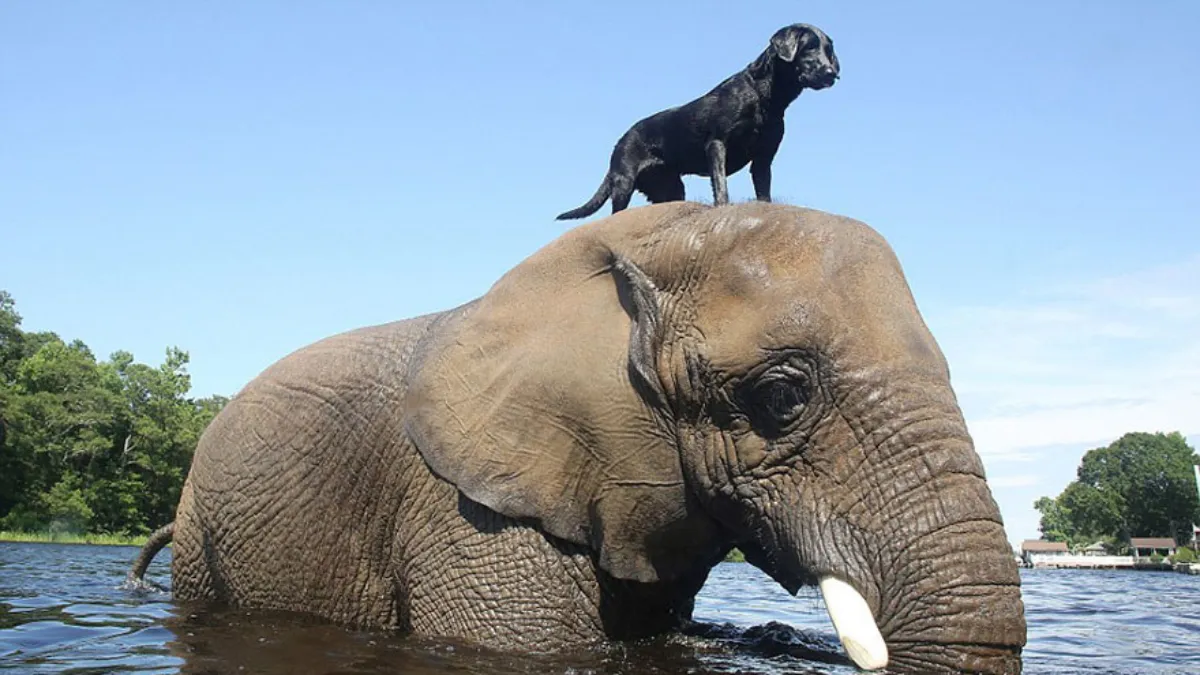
541, 401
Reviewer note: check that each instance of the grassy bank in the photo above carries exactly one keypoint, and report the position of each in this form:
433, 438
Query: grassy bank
69, 538
735, 556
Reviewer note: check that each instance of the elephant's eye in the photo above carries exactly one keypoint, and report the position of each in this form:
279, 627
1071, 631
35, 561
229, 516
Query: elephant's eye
773, 398
782, 400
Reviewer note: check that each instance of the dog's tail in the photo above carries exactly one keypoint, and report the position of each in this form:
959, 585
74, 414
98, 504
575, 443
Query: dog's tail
593, 205
157, 541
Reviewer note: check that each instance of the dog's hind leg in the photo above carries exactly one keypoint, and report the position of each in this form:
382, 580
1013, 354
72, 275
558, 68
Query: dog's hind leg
661, 186
622, 191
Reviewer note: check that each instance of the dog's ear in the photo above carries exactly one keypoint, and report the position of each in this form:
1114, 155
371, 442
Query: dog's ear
786, 42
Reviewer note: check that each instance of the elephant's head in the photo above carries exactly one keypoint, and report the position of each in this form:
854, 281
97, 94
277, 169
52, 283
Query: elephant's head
671, 381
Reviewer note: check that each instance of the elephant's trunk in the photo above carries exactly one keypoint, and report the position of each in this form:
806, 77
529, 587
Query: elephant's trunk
964, 616
918, 547
961, 611
949, 589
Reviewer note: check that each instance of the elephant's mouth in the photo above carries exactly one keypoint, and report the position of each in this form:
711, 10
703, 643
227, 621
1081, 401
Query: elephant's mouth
862, 633
864, 644
861, 642
772, 639
854, 623
852, 618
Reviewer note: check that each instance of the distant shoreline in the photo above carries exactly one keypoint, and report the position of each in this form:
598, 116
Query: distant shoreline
66, 538
16, 537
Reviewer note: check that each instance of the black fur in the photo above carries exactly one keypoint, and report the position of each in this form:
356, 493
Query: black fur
739, 122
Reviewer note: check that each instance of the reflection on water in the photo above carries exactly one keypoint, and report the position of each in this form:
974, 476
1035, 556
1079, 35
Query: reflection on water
61, 611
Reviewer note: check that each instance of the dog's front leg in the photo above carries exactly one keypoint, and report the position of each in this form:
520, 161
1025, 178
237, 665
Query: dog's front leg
716, 171
760, 164
760, 172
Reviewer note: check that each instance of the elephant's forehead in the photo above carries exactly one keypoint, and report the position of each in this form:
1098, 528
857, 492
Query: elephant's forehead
739, 321
751, 243
795, 287
783, 273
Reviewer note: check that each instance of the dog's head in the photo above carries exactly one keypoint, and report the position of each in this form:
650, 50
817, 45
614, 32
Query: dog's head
809, 53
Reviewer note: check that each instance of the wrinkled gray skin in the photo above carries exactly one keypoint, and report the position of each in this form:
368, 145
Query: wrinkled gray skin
564, 459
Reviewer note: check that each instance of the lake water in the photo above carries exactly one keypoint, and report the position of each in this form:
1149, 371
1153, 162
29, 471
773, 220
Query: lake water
61, 611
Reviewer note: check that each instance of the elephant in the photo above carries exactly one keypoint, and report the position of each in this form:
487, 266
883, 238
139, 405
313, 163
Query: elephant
563, 460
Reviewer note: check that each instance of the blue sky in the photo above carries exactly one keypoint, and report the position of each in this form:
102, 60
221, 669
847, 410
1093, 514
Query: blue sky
241, 179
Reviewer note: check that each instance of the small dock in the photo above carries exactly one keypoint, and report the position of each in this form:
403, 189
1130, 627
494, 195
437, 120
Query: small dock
1151, 554
1080, 562
1107, 562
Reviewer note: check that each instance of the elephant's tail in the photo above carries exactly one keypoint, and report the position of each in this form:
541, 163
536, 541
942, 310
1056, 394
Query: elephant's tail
154, 544
592, 204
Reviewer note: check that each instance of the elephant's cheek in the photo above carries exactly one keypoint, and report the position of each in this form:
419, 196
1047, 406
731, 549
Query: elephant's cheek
751, 452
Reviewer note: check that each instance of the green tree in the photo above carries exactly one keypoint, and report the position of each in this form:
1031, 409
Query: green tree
1095, 513
1140, 485
160, 431
11, 338
1151, 475
1056, 523
84, 444
59, 415
66, 506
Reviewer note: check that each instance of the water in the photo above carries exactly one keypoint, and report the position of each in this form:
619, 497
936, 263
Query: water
61, 611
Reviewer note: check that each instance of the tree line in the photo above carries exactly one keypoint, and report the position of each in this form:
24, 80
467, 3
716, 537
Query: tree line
87, 445
92, 446
1142, 485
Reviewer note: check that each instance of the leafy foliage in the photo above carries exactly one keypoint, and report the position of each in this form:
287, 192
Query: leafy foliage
1141, 485
91, 446
1056, 525
48, 537
1183, 554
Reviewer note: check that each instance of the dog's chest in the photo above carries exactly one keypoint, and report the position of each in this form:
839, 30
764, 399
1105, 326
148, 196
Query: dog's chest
741, 143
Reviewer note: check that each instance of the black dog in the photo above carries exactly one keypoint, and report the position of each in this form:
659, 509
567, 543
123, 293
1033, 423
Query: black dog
740, 121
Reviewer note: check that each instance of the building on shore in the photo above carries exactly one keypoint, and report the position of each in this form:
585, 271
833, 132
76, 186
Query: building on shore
1035, 552
1039, 554
1146, 547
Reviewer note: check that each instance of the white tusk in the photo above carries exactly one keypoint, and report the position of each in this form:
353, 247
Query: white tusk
854, 624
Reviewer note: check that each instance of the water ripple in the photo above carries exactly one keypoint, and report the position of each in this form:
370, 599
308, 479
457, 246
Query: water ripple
62, 611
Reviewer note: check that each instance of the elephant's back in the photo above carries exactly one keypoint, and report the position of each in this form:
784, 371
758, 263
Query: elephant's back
334, 383
286, 504
384, 350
